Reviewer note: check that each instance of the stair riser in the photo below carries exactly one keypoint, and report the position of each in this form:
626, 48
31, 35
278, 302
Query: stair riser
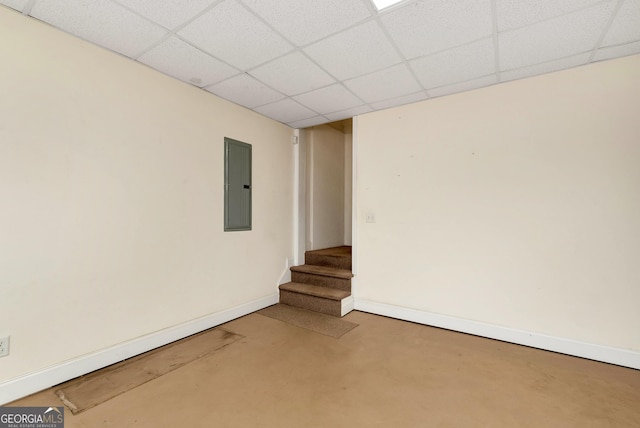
312, 303
312, 290
323, 281
331, 261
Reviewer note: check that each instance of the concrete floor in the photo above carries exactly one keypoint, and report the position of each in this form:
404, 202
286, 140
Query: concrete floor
385, 373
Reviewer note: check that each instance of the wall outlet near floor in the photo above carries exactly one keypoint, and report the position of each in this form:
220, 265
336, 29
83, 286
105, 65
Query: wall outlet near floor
4, 346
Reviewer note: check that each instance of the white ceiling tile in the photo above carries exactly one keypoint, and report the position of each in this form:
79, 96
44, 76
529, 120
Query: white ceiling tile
233, 34
15, 4
304, 22
168, 13
422, 28
181, 60
456, 65
617, 51
407, 99
464, 86
246, 91
547, 67
349, 113
306, 123
330, 99
518, 13
102, 22
293, 74
556, 38
625, 27
244, 50
359, 50
381, 85
286, 111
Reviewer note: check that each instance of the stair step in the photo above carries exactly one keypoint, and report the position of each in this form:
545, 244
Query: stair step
318, 299
338, 257
323, 271
314, 290
321, 281
323, 284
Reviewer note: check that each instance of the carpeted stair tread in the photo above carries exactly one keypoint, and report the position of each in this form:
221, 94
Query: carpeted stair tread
337, 257
323, 271
314, 290
343, 251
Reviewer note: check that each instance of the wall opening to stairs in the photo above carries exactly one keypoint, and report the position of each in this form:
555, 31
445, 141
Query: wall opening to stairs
327, 187
321, 277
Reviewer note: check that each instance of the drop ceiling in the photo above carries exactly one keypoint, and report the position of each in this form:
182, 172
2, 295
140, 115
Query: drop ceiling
308, 62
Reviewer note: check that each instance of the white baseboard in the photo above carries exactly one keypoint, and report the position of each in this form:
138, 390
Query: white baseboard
22, 386
606, 354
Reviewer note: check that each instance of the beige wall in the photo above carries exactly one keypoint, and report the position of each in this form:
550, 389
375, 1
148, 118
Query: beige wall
348, 188
325, 171
111, 193
516, 205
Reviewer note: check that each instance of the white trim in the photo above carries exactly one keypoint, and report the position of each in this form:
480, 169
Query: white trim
22, 386
286, 272
301, 222
354, 200
346, 305
296, 194
309, 171
619, 356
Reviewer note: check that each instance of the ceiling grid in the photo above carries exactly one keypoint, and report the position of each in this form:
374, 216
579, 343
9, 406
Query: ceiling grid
308, 62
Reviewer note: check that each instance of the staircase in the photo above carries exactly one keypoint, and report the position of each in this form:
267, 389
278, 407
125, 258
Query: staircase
323, 284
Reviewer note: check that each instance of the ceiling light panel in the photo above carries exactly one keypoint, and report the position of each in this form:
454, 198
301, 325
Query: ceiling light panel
233, 34
359, 50
383, 4
304, 22
382, 85
181, 60
517, 13
293, 74
556, 38
330, 99
423, 28
246, 91
625, 28
286, 111
102, 22
456, 65
168, 13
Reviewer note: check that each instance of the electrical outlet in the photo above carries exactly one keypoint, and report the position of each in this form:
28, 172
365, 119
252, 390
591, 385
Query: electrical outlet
4, 346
